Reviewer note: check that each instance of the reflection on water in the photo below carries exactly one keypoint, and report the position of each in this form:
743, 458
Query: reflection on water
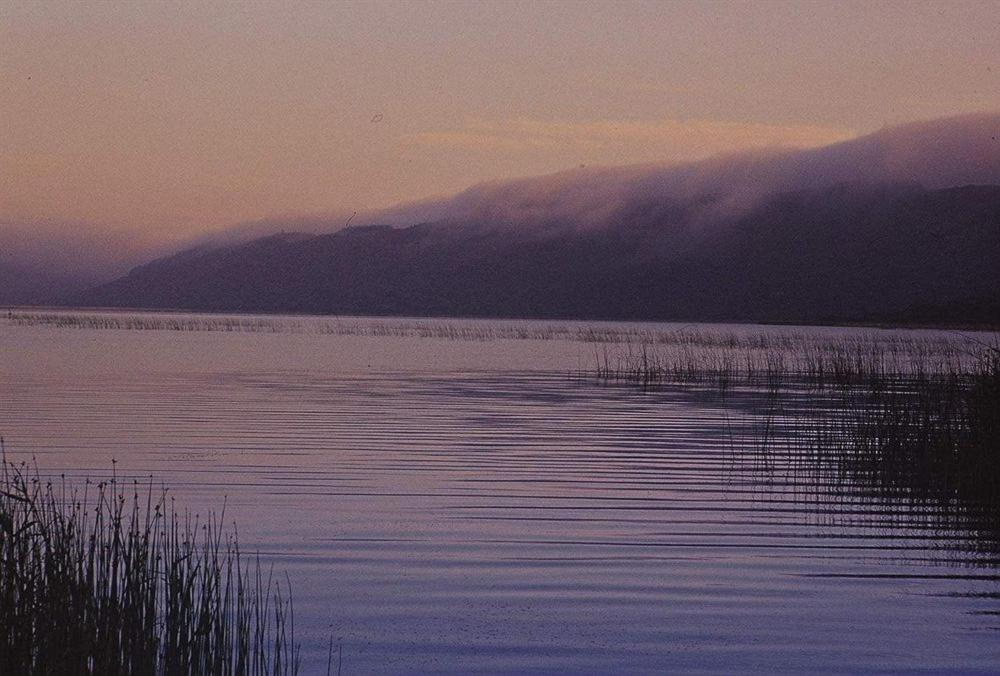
451, 505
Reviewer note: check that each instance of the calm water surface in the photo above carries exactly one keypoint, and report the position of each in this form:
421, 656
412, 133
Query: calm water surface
467, 502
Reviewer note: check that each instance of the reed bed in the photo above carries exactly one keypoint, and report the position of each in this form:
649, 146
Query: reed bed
897, 418
926, 445
932, 437
102, 580
654, 353
755, 360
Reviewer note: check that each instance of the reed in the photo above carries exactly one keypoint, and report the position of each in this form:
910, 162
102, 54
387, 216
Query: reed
928, 444
669, 345
905, 419
756, 360
933, 437
102, 580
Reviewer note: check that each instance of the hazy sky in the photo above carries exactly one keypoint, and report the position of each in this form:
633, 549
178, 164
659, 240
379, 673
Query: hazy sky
172, 118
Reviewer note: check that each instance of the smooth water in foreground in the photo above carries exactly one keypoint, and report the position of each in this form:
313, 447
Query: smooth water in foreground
456, 496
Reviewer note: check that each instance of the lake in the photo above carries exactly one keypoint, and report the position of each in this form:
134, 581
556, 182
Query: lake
465, 496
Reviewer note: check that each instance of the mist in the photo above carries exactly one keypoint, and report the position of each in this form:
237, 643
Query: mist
940, 153
42, 261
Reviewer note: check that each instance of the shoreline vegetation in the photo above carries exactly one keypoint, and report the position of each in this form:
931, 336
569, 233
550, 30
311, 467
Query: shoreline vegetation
635, 334
110, 578
291, 322
896, 418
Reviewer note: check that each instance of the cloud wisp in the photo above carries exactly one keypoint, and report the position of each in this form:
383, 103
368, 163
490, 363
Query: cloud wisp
938, 153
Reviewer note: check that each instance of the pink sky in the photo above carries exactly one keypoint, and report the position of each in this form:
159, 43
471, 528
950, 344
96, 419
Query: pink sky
167, 119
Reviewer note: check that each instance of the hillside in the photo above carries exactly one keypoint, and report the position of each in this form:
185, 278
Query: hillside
852, 251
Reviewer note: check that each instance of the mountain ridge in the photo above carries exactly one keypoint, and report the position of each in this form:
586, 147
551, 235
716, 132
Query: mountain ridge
850, 252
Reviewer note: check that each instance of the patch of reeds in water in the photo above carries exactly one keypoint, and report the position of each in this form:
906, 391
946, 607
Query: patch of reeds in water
99, 580
861, 359
669, 347
902, 419
935, 438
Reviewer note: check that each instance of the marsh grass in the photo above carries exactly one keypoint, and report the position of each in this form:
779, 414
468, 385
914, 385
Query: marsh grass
103, 580
758, 361
669, 348
936, 437
901, 420
928, 445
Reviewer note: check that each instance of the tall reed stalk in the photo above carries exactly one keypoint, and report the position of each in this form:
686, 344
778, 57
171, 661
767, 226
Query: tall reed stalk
930, 440
100, 580
899, 418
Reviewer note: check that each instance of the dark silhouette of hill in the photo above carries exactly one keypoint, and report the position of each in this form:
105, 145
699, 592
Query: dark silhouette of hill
853, 251
758, 234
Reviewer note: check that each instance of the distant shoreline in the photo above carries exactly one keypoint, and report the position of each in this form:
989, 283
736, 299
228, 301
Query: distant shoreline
833, 323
